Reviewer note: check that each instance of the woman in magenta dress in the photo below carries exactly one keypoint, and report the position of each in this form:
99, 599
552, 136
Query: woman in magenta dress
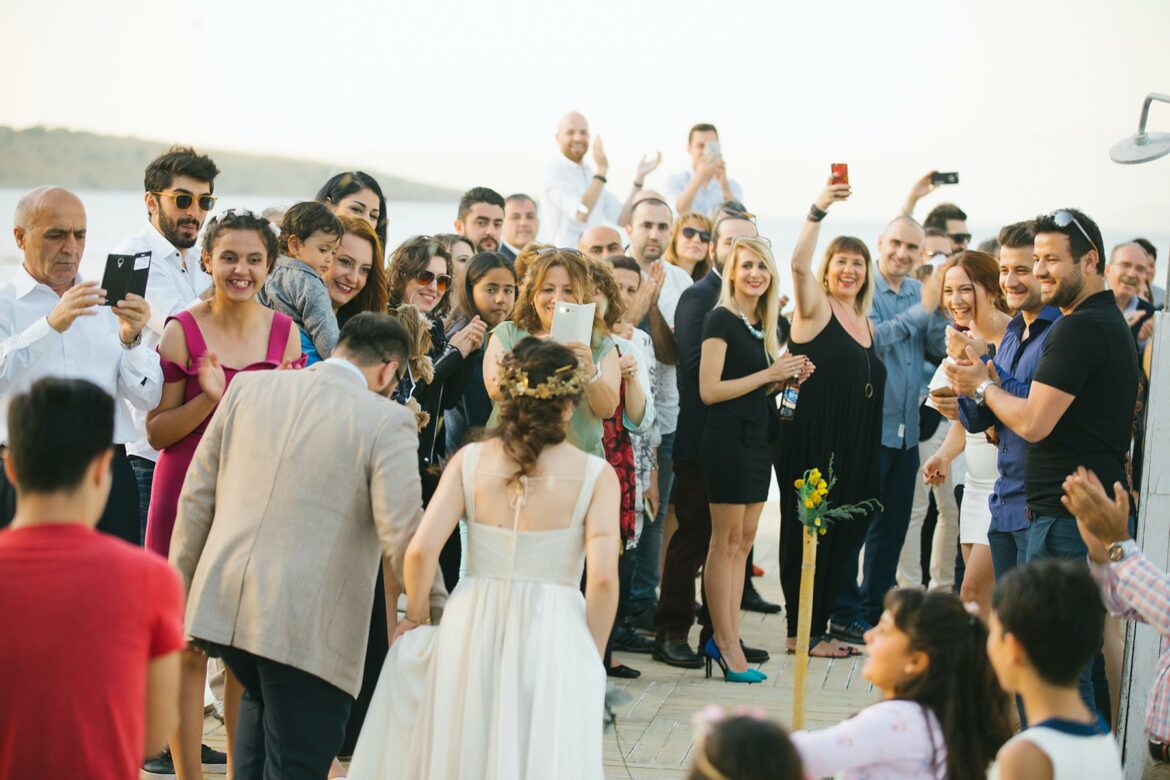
202, 348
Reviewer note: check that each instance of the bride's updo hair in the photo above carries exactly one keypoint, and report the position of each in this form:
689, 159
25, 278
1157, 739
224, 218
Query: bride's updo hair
537, 379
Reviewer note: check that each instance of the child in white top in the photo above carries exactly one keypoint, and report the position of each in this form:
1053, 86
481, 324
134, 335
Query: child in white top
943, 715
1046, 625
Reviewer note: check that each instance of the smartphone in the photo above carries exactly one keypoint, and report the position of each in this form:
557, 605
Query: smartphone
125, 274
712, 151
840, 173
944, 178
943, 392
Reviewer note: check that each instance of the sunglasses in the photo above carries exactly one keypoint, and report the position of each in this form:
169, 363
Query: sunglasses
959, 238
690, 232
738, 214
548, 250
183, 200
1065, 218
426, 276
744, 239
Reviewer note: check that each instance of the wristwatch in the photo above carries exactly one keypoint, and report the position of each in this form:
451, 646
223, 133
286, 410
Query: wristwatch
582, 209
1118, 550
980, 391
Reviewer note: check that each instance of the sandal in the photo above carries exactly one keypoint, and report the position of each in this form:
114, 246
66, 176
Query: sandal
840, 652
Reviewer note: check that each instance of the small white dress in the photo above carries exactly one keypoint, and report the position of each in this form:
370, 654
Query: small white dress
510, 686
982, 459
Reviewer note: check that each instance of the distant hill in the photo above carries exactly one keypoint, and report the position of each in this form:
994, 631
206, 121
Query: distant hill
39, 155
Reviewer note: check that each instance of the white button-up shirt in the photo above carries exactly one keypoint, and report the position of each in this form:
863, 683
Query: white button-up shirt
565, 183
707, 198
30, 349
169, 290
666, 397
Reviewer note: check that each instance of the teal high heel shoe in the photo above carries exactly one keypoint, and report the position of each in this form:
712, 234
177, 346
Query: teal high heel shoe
711, 653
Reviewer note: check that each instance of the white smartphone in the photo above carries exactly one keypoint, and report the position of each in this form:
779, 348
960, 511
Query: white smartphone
572, 322
712, 151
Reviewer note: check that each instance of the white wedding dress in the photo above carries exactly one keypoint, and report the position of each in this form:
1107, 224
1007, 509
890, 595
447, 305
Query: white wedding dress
510, 686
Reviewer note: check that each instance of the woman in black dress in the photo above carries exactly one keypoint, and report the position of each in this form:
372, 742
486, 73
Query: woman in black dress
740, 365
838, 415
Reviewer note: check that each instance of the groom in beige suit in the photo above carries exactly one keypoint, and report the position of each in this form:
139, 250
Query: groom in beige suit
302, 484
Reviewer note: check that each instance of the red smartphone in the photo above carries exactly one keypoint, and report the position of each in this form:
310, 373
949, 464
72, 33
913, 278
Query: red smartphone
840, 173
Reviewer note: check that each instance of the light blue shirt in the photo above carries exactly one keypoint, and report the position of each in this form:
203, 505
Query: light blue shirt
902, 331
707, 199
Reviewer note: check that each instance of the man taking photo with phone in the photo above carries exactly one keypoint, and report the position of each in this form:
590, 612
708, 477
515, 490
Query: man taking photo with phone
705, 186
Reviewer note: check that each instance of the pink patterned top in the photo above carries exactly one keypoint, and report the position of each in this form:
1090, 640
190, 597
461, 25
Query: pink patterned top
894, 740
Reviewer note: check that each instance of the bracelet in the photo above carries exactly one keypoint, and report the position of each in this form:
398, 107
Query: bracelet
426, 622
601, 178
815, 214
639, 184
596, 375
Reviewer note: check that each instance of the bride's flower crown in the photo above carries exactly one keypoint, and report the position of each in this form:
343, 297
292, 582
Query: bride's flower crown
565, 381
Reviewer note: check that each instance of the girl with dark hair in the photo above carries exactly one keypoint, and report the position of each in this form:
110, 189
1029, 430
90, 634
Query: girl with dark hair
512, 679
202, 350
357, 194
943, 714
488, 292
974, 303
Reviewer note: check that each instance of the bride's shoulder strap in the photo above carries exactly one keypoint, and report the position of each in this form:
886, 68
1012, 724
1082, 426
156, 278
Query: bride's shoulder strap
470, 461
593, 467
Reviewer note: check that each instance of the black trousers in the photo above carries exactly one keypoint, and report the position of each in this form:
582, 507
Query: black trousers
686, 553
120, 517
291, 723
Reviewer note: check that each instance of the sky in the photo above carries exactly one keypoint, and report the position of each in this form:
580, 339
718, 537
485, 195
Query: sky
1022, 98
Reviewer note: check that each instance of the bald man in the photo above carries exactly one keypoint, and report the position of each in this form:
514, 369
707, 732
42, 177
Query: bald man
53, 323
601, 241
575, 194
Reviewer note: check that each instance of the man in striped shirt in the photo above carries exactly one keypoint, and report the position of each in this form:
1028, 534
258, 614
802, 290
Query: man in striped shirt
1131, 587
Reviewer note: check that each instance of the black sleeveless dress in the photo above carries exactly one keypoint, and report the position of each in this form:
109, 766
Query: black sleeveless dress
838, 415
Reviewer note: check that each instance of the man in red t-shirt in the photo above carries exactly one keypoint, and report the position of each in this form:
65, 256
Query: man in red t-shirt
90, 626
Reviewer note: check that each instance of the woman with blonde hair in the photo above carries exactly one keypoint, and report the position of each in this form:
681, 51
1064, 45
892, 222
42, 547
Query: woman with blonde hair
554, 276
690, 240
838, 417
740, 367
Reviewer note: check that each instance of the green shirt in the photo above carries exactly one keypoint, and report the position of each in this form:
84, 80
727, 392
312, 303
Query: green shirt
584, 427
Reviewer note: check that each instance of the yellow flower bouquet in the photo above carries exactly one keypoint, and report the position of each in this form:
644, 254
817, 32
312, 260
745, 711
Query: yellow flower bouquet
812, 501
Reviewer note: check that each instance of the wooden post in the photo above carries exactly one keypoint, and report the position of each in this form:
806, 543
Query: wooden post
808, 568
1143, 645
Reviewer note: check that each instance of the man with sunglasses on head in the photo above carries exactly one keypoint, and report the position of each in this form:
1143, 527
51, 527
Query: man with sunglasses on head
179, 185
1080, 406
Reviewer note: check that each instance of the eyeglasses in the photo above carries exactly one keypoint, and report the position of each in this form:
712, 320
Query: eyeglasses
1064, 218
548, 250
183, 200
426, 276
959, 238
690, 232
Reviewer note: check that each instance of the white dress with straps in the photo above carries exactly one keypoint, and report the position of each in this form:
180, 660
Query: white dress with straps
511, 684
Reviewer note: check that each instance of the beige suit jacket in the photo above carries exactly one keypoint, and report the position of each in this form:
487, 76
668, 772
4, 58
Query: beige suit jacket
302, 482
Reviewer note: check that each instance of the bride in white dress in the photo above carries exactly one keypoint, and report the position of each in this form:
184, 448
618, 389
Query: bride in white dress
511, 685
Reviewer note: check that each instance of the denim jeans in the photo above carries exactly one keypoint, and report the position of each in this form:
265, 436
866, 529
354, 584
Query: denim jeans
644, 587
1056, 536
1009, 549
144, 475
883, 542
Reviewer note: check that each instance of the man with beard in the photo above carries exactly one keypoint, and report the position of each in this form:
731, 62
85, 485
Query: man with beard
1015, 362
481, 218
575, 196
1079, 408
520, 224
179, 186
1125, 273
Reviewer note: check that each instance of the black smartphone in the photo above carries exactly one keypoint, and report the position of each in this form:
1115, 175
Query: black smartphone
944, 178
125, 274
